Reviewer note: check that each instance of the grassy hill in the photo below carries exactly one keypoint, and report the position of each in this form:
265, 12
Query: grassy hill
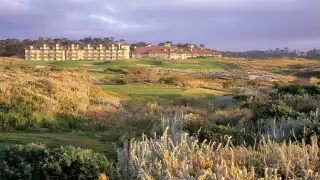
259, 124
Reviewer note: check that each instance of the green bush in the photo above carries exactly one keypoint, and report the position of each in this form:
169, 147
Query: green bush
157, 63
246, 101
121, 81
175, 80
273, 109
241, 97
168, 80
218, 133
35, 162
72, 122
22, 116
117, 70
22, 162
15, 116
302, 103
299, 90
74, 163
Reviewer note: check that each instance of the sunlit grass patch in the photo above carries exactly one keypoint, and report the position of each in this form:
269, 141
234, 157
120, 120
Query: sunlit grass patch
156, 92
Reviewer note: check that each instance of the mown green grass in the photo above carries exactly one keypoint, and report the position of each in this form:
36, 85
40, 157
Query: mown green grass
67, 64
101, 144
198, 64
208, 64
164, 94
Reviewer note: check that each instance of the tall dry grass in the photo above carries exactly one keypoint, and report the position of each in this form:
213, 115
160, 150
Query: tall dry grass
177, 155
31, 97
54, 91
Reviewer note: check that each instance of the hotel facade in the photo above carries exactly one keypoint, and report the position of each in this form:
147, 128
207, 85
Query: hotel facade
75, 52
58, 52
167, 51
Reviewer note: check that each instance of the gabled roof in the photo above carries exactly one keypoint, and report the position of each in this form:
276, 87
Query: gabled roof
173, 49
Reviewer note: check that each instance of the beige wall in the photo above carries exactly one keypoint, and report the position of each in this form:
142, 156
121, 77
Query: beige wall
74, 52
44, 53
165, 55
140, 56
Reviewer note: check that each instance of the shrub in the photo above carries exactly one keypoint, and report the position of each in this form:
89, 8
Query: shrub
232, 116
227, 84
303, 103
218, 133
121, 81
21, 117
193, 101
172, 80
299, 90
242, 98
139, 71
36, 162
273, 109
117, 70
74, 163
253, 82
22, 162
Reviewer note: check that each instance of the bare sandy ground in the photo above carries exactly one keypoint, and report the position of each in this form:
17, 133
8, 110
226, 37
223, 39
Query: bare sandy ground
87, 65
41, 66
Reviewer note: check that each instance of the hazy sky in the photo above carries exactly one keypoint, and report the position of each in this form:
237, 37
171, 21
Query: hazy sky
220, 24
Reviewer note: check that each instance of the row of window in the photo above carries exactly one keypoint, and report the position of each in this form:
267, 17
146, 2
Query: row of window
98, 53
76, 50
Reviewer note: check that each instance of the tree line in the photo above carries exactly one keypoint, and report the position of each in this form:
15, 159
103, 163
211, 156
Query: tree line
276, 53
12, 46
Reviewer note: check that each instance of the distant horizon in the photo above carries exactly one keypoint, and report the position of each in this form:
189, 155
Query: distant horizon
156, 43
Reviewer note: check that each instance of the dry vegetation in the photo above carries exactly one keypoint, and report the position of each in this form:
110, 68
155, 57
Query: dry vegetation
177, 155
51, 92
280, 64
268, 128
54, 91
